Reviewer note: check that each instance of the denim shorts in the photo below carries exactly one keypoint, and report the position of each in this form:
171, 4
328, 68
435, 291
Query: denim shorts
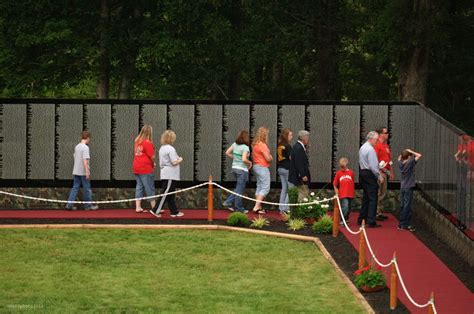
145, 184
263, 180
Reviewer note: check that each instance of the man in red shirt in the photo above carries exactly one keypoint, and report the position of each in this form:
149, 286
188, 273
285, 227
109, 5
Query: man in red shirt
384, 155
344, 186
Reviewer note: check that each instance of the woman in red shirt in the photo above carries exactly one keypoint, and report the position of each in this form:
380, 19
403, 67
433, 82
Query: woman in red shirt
144, 166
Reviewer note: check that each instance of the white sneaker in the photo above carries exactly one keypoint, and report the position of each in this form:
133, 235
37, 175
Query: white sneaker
93, 207
179, 214
157, 215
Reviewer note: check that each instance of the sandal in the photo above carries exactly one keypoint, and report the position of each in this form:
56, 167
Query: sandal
256, 209
262, 211
141, 210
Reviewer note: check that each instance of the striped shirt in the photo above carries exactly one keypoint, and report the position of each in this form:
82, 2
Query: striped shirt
368, 159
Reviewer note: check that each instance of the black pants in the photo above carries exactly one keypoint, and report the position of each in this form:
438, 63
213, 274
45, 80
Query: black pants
166, 187
370, 187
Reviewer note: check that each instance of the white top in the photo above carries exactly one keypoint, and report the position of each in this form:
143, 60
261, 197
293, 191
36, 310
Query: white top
81, 152
167, 155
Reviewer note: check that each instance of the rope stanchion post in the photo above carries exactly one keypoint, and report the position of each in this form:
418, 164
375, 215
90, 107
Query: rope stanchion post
336, 219
431, 306
210, 201
393, 284
362, 247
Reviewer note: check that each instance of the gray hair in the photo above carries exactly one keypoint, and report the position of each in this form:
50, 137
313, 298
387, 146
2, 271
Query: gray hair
371, 135
302, 134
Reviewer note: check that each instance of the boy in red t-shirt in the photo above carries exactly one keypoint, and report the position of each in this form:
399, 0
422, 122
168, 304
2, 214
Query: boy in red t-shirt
344, 186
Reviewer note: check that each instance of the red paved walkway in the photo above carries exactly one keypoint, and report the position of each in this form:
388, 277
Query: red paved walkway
422, 271
198, 214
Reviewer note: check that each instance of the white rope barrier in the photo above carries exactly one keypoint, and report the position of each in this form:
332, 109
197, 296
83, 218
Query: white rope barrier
402, 283
343, 219
315, 202
372, 252
103, 202
393, 261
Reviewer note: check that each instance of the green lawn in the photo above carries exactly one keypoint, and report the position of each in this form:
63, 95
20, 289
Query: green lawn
59, 270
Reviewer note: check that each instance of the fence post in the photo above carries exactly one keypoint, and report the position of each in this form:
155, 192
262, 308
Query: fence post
362, 246
336, 219
393, 284
210, 201
430, 307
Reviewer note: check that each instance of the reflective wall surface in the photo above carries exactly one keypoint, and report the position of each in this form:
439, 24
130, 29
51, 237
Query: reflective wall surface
38, 139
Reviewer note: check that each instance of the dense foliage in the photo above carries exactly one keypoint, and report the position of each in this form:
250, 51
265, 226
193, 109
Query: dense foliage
235, 49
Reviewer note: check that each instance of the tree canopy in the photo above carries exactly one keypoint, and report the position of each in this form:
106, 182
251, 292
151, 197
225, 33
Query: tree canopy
420, 50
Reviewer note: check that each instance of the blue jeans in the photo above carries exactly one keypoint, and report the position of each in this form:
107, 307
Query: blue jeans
86, 191
346, 207
241, 177
406, 198
145, 183
283, 173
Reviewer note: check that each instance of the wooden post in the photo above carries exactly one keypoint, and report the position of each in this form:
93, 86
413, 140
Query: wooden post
336, 219
362, 247
393, 285
430, 307
210, 201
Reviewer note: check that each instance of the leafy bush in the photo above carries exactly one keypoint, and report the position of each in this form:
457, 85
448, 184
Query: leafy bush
315, 211
296, 224
324, 225
238, 219
260, 222
369, 276
293, 195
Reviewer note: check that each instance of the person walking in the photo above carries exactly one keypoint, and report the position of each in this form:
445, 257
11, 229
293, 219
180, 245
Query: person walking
283, 165
369, 179
384, 156
144, 166
406, 162
299, 174
82, 174
463, 158
261, 167
239, 151
169, 174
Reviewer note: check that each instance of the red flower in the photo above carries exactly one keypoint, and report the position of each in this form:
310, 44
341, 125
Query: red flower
366, 268
379, 267
358, 272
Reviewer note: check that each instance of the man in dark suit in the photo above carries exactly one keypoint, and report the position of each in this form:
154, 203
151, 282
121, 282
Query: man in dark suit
299, 175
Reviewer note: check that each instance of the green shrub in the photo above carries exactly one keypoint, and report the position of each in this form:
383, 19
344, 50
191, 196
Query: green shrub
324, 225
260, 222
296, 224
293, 195
315, 211
238, 219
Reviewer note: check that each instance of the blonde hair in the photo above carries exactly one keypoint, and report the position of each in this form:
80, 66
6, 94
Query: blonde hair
261, 136
343, 162
168, 137
145, 134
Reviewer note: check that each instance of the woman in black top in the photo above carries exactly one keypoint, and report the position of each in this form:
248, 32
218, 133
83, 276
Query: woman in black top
284, 153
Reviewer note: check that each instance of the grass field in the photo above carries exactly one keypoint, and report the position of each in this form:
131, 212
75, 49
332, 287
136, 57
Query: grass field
60, 270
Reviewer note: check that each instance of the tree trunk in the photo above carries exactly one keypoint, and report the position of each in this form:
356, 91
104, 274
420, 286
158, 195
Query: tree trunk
130, 53
413, 75
327, 38
103, 82
235, 70
414, 61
